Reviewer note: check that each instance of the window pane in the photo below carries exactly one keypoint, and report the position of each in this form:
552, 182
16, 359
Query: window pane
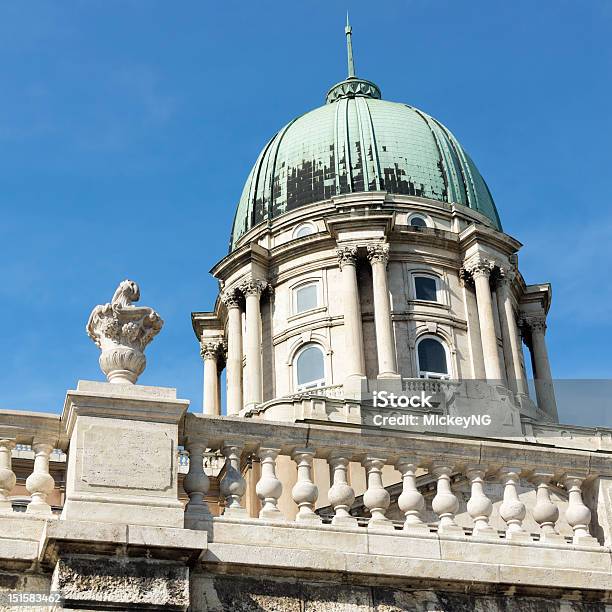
418, 222
432, 357
306, 298
425, 288
305, 230
310, 366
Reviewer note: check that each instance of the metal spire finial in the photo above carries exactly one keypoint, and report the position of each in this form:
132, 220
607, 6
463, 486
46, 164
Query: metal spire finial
349, 47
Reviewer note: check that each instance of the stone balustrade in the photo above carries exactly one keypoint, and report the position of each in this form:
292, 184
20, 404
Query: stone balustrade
414, 457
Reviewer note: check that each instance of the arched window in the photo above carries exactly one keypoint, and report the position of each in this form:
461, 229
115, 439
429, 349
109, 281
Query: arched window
309, 367
432, 358
305, 229
417, 220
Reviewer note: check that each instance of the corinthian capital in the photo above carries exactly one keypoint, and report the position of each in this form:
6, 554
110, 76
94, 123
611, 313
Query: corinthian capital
231, 298
211, 349
253, 287
347, 255
378, 252
122, 331
535, 323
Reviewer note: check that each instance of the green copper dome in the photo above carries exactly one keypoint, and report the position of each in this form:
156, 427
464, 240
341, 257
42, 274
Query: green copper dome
355, 143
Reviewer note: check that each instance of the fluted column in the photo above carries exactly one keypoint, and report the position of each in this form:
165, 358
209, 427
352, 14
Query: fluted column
378, 254
545, 512
233, 485
510, 337
353, 332
40, 483
481, 272
578, 515
512, 509
543, 378
252, 291
341, 495
376, 498
196, 484
411, 502
7, 476
209, 350
233, 374
305, 492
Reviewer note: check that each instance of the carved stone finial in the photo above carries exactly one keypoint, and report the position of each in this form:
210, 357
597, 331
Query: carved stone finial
122, 331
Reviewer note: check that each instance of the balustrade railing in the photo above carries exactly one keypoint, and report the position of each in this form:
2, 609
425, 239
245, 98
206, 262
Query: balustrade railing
413, 455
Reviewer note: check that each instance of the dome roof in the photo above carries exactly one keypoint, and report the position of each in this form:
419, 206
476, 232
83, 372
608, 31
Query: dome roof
355, 143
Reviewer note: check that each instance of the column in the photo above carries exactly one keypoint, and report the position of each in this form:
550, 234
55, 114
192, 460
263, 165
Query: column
378, 254
40, 483
210, 354
234, 352
510, 336
353, 332
543, 378
252, 291
481, 272
7, 476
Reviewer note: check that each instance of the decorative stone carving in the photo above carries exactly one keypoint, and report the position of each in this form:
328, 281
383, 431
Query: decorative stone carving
341, 495
376, 498
535, 324
269, 487
213, 349
479, 506
253, 287
411, 502
231, 298
445, 503
122, 331
512, 509
305, 492
545, 513
347, 255
378, 253
233, 485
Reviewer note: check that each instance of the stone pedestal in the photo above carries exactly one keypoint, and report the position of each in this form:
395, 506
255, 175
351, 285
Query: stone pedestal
123, 461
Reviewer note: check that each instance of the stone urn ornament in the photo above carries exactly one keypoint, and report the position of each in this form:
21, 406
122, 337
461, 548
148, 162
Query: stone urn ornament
122, 331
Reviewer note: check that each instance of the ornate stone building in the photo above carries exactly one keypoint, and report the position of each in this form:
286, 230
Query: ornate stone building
367, 258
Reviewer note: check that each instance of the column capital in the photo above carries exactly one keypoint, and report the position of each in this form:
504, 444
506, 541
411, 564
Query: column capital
211, 348
477, 267
253, 287
378, 252
347, 255
533, 323
231, 298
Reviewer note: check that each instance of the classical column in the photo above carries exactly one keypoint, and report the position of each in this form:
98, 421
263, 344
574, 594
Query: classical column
353, 332
252, 291
510, 337
545, 392
7, 476
210, 354
40, 483
481, 272
233, 373
378, 254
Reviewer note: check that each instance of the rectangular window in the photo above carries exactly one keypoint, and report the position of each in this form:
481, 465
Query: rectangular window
306, 297
426, 288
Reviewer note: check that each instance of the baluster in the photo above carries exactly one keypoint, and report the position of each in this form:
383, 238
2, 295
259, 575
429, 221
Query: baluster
545, 513
7, 476
445, 504
341, 495
512, 509
479, 506
578, 514
269, 487
233, 485
40, 483
411, 502
196, 485
305, 492
376, 498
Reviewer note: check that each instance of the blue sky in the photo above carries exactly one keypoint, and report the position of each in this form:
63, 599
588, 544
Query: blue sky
127, 130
